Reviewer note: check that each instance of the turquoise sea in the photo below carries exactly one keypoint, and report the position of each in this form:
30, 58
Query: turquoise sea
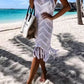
10, 15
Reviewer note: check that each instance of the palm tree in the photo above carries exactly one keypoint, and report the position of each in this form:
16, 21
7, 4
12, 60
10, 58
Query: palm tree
79, 14
82, 8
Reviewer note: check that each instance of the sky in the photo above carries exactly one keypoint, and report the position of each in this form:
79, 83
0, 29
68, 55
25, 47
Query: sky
22, 4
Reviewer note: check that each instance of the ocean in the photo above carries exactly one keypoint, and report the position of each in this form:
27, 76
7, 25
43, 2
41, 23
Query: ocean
12, 15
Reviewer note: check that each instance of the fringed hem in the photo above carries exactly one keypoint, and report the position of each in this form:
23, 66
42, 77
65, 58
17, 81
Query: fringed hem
41, 53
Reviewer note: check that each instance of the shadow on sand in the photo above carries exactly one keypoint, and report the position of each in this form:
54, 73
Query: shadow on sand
24, 43
58, 71
62, 73
14, 66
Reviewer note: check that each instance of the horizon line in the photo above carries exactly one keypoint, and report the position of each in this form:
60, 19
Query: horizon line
26, 8
13, 8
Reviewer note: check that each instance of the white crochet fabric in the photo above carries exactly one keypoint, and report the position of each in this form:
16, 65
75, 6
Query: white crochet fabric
45, 27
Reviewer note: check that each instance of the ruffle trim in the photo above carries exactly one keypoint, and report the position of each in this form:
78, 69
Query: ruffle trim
41, 53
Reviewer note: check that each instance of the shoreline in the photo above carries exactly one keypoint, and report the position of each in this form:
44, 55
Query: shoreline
22, 20
10, 21
18, 24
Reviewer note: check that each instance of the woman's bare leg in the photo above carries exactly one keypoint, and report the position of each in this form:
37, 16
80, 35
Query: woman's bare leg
43, 76
34, 67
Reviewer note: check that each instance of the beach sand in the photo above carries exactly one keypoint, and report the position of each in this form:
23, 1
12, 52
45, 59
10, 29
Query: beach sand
16, 53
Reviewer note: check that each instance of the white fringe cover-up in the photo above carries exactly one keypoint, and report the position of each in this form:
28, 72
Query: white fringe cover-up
45, 26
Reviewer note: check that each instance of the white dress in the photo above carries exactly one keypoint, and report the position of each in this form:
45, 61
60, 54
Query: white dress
45, 26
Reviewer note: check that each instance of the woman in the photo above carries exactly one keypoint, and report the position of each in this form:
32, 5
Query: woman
44, 12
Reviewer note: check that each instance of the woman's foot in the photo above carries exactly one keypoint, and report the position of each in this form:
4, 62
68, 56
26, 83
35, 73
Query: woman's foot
43, 76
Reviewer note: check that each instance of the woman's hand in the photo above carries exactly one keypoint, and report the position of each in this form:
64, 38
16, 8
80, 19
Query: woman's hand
46, 15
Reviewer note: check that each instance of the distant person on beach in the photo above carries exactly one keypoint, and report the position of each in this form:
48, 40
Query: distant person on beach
44, 12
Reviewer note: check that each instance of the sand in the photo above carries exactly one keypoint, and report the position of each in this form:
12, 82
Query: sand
16, 53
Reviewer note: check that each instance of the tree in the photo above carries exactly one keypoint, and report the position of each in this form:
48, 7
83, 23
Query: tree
79, 14
82, 8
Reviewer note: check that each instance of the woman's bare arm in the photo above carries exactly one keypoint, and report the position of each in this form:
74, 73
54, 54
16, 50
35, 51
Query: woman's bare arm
31, 2
66, 7
55, 1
